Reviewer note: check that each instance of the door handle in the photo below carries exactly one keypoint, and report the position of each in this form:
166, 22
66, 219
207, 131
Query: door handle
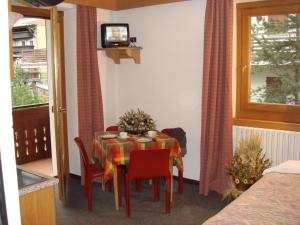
62, 109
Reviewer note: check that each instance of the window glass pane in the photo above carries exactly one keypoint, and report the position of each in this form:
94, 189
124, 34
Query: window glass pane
275, 59
30, 83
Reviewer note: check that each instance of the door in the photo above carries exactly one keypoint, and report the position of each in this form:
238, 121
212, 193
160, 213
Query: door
59, 99
58, 80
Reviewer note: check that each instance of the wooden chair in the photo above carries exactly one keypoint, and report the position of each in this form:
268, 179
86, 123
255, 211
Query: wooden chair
149, 164
91, 170
180, 173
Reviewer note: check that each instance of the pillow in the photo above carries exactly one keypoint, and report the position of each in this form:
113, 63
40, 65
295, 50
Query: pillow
291, 166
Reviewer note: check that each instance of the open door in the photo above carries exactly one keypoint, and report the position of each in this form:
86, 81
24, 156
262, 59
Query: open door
59, 97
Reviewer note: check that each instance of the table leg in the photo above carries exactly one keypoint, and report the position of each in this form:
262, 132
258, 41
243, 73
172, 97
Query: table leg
116, 187
171, 171
119, 185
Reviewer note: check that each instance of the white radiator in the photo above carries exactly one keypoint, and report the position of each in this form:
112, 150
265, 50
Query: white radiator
278, 145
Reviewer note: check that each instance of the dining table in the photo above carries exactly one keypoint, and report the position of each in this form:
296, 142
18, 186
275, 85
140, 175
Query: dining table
112, 152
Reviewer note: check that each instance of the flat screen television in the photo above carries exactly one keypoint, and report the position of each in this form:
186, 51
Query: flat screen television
115, 35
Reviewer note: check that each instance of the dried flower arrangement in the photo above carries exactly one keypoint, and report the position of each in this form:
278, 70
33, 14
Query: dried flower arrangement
136, 122
246, 167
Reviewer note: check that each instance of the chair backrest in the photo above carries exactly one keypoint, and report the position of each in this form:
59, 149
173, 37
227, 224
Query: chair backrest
112, 128
149, 163
83, 154
179, 134
166, 131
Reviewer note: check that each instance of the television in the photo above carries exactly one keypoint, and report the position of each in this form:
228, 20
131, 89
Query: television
115, 35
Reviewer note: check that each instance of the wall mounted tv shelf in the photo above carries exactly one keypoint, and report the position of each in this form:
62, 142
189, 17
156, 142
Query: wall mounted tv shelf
123, 53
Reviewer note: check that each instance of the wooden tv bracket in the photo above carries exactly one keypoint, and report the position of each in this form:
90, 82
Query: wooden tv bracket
123, 53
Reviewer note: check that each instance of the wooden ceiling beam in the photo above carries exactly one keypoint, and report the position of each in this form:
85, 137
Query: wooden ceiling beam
104, 4
120, 4
129, 4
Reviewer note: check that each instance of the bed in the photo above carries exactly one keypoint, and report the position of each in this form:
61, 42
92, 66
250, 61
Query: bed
274, 199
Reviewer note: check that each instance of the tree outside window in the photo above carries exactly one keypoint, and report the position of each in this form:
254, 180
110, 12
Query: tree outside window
275, 59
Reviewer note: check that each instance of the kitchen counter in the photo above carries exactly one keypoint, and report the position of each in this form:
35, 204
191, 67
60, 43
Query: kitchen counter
29, 181
37, 198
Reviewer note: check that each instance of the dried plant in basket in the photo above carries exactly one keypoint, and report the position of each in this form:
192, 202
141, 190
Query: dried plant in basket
136, 122
246, 167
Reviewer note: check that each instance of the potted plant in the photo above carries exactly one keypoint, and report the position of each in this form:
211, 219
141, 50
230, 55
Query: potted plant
247, 166
136, 122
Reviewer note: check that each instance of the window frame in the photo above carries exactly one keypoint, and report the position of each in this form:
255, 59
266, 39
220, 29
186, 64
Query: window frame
265, 114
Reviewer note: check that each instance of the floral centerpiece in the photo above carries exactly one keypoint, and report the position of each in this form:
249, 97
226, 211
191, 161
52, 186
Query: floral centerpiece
247, 166
136, 122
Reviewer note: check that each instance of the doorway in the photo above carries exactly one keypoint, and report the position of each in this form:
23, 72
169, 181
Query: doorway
54, 136
32, 96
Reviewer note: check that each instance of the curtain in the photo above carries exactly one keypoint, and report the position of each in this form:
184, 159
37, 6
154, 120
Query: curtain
216, 123
90, 108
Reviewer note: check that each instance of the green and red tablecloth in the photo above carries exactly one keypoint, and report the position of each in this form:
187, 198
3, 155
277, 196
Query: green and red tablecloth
115, 150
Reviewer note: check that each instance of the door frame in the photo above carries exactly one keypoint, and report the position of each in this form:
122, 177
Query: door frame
60, 155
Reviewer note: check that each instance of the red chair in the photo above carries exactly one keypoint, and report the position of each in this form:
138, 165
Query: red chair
91, 170
112, 128
138, 182
149, 164
180, 173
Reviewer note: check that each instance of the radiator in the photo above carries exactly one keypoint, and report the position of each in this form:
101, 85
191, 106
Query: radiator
277, 145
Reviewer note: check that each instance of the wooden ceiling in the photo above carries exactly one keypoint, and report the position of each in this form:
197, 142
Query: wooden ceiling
120, 4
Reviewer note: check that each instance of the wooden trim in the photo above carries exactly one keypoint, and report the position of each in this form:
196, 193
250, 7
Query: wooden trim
267, 3
129, 4
185, 180
63, 92
282, 114
266, 124
104, 4
74, 176
120, 4
32, 12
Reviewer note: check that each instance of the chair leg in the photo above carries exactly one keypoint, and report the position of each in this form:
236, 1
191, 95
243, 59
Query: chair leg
120, 186
86, 184
138, 185
109, 185
127, 196
90, 192
168, 195
102, 184
154, 184
156, 188
180, 181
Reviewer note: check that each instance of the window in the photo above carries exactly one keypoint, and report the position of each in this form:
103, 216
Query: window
268, 75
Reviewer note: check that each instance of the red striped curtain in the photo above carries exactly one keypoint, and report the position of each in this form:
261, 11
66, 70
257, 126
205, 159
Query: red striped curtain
216, 126
90, 108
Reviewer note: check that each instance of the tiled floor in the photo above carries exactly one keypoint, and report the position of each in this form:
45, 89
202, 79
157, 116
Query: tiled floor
43, 166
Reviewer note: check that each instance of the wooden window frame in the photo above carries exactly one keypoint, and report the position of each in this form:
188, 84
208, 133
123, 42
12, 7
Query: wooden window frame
266, 115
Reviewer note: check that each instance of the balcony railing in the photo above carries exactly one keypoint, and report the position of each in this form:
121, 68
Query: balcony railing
32, 133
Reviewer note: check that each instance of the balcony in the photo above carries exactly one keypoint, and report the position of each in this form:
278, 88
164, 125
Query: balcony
31, 127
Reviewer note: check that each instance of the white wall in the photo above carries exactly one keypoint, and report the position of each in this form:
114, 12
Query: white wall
168, 82
71, 87
108, 76
7, 150
107, 82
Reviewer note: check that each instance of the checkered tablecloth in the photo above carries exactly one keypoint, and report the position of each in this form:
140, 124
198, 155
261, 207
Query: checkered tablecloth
115, 150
